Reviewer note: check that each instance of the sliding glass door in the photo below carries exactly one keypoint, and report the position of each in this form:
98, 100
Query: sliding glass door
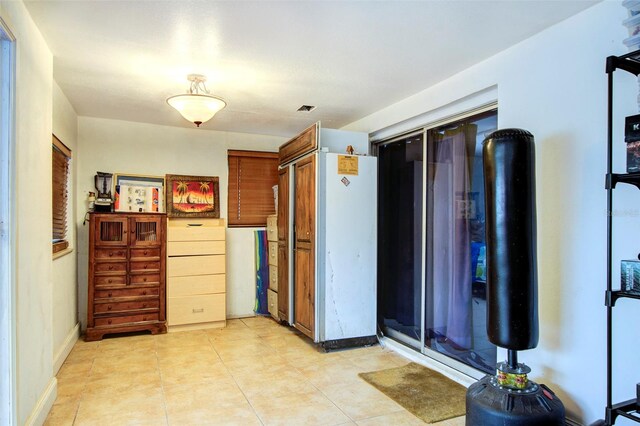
441, 312
400, 188
455, 320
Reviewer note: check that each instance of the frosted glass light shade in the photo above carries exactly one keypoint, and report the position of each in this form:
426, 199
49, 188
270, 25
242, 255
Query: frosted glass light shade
197, 108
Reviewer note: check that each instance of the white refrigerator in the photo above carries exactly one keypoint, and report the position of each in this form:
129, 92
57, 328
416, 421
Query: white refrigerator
346, 255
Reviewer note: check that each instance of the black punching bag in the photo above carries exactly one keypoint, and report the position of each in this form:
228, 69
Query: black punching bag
509, 398
510, 209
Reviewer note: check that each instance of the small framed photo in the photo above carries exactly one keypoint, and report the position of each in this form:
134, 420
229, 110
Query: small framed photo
138, 193
192, 196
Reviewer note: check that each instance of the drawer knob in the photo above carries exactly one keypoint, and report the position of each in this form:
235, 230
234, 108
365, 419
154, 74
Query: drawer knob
110, 281
197, 311
144, 318
110, 254
144, 279
108, 307
109, 321
144, 305
144, 267
144, 252
110, 267
144, 293
109, 294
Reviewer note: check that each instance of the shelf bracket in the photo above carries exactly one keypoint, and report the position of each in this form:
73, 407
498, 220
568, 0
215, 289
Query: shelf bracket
610, 298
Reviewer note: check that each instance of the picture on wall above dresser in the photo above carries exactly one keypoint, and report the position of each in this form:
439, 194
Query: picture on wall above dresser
192, 196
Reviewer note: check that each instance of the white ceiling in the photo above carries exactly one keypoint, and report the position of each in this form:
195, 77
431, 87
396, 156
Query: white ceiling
122, 59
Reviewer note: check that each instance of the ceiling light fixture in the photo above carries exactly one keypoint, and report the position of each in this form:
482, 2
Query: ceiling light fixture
197, 105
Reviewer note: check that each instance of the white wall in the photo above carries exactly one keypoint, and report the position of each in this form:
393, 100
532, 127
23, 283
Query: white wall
126, 147
65, 287
554, 85
33, 264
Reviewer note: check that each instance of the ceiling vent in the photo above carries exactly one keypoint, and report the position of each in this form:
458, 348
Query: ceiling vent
306, 108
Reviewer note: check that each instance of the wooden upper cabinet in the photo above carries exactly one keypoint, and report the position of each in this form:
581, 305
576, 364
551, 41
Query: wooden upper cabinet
111, 230
146, 231
302, 144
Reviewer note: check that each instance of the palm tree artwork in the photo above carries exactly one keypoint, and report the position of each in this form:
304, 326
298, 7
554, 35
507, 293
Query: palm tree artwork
204, 190
181, 188
193, 195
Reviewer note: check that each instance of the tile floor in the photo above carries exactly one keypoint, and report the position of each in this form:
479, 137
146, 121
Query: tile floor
253, 372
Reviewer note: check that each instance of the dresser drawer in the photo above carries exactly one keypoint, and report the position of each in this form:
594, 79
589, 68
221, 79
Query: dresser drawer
120, 307
148, 266
195, 309
198, 284
196, 230
272, 301
111, 253
129, 292
110, 281
145, 253
110, 268
127, 319
273, 278
195, 265
145, 279
187, 248
272, 228
273, 253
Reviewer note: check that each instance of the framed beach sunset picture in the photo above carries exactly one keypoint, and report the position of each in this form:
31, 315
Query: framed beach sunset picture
192, 196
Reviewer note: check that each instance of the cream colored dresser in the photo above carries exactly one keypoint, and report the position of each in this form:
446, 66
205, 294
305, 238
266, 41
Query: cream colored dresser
272, 238
196, 280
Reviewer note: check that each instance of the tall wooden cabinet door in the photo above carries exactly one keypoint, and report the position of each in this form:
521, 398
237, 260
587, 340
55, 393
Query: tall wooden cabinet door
146, 231
304, 235
111, 230
283, 244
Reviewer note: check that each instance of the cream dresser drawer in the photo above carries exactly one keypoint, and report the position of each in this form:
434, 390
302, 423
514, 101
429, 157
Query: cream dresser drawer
195, 265
196, 309
195, 285
272, 301
191, 248
273, 278
272, 228
273, 253
196, 230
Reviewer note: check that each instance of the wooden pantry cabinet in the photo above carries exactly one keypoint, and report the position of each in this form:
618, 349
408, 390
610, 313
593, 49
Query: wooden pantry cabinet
196, 279
126, 286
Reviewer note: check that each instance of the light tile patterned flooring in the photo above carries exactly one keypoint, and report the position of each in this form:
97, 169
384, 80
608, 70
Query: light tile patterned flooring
253, 372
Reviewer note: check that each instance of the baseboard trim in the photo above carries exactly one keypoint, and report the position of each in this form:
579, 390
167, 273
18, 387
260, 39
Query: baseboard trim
66, 348
42, 408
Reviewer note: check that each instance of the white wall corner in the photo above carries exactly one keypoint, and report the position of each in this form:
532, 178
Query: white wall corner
64, 351
45, 402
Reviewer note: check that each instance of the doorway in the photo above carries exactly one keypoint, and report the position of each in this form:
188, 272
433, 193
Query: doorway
431, 244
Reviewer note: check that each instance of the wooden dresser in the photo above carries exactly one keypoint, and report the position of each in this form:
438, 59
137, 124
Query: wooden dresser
272, 238
196, 279
126, 274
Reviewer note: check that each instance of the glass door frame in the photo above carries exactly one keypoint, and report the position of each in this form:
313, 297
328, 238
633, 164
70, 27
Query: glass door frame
7, 230
375, 145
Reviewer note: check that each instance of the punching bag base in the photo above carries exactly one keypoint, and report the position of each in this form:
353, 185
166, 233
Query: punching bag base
491, 405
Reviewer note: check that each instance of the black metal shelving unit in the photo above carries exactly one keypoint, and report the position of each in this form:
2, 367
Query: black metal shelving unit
629, 409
